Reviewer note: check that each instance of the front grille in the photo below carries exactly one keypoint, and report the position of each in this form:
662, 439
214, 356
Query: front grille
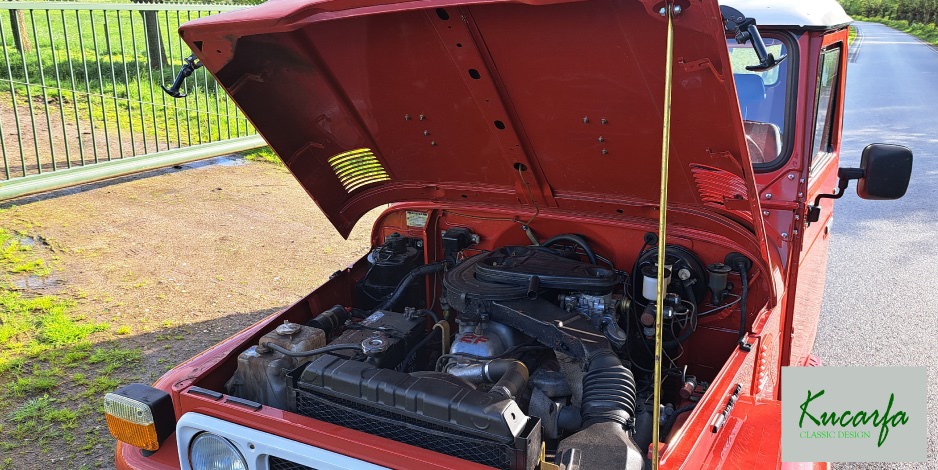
409, 431
276, 463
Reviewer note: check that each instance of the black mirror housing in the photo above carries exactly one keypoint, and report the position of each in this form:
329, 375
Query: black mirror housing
887, 170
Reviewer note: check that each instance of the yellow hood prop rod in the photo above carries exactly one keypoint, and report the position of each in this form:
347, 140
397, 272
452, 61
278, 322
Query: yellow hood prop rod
669, 10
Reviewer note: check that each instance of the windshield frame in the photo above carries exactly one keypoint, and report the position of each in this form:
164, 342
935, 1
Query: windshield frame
791, 101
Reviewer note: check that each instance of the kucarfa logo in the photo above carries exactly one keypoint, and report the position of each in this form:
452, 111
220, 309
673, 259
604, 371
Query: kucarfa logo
854, 414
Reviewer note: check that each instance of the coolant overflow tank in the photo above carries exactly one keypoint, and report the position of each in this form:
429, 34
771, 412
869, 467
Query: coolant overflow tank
261, 373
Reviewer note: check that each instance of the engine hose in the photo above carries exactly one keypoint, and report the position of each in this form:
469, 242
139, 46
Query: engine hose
576, 239
510, 376
608, 391
672, 343
431, 314
409, 279
312, 352
426, 339
744, 279
666, 429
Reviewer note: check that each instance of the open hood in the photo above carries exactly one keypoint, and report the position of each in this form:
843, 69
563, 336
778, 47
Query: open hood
549, 103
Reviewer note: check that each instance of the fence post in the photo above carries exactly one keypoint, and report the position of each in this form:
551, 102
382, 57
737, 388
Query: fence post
20, 38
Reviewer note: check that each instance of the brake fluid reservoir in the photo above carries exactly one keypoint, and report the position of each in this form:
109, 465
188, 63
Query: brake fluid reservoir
650, 282
261, 373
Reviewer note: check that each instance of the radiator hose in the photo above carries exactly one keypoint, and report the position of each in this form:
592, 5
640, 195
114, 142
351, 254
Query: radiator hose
510, 376
412, 276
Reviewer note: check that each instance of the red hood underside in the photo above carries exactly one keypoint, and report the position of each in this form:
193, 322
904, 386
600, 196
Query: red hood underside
557, 104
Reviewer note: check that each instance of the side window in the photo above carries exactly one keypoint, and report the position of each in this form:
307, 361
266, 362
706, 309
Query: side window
826, 100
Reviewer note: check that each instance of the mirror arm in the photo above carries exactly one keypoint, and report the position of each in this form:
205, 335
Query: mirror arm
745, 30
845, 175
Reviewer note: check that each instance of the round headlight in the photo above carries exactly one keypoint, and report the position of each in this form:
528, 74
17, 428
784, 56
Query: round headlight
211, 452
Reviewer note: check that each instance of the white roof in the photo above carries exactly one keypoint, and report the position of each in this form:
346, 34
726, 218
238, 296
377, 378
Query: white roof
806, 13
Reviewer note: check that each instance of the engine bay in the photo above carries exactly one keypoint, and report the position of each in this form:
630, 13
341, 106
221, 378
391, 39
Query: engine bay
469, 342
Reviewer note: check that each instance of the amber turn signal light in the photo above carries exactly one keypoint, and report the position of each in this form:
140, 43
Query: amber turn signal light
140, 415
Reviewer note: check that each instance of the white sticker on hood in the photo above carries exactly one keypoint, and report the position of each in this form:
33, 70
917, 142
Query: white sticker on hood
416, 219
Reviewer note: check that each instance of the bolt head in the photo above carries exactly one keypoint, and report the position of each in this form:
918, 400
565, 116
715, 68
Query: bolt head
407, 117
605, 152
423, 118
426, 132
586, 119
603, 121
601, 139
662, 11
765, 213
768, 196
791, 176
785, 235
677, 9
433, 143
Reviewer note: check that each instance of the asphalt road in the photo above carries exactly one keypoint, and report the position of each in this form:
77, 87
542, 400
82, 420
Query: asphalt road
881, 299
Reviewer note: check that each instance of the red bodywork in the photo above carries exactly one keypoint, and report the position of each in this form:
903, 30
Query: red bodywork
507, 112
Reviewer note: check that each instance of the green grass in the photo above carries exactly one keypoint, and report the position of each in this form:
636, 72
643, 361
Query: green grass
853, 34
264, 154
50, 365
15, 256
925, 32
93, 65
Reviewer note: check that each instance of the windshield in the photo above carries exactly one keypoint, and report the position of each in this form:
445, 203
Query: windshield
763, 99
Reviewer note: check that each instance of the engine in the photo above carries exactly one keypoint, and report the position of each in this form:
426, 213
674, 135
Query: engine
536, 346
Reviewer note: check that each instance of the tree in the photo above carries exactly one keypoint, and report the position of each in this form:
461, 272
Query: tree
156, 55
20, 38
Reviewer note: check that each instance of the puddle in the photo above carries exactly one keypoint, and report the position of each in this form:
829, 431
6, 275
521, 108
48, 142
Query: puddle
47, 284
227, 160
32, 241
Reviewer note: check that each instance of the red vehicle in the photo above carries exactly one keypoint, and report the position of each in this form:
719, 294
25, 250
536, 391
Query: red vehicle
505, 314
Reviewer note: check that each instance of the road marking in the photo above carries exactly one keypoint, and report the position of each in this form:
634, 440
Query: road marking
855, 47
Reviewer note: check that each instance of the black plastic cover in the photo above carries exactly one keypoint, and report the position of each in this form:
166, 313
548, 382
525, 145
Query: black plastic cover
397, 257
429, 398
510, 273
456, 239
516, 265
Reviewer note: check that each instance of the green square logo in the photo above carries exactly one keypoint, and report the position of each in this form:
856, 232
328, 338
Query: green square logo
854, 414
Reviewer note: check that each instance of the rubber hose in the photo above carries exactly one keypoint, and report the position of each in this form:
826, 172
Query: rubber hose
431, 314
423, 342
509, 375
608, 391
312, 352
676, 341
569, 237
666, 429
409, 279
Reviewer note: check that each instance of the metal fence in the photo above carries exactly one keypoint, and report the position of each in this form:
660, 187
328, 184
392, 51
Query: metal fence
80, 87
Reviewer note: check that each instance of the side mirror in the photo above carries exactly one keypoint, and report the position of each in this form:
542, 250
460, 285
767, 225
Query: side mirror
887, 170
884, 173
